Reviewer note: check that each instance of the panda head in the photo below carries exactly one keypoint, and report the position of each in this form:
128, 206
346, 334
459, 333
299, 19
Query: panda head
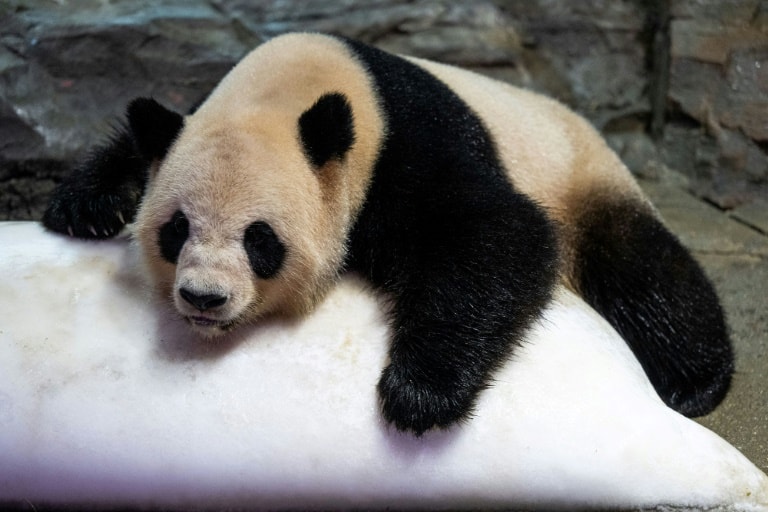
247, 209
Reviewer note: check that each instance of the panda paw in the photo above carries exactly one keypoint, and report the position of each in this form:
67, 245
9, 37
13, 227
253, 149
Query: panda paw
85, 211
414, 405
695, 394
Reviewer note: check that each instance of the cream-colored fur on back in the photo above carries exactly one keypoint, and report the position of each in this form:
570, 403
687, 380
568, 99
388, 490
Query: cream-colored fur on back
550, 153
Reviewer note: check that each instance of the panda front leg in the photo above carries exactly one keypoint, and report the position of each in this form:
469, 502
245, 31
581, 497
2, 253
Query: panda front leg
441, 357
102, 194
462, 301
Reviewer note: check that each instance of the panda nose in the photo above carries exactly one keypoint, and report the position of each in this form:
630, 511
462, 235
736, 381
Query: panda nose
202, 302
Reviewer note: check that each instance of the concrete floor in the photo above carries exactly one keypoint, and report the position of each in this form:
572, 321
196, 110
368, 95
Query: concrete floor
733, 249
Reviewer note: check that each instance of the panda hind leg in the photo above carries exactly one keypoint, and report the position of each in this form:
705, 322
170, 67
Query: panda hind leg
638, 276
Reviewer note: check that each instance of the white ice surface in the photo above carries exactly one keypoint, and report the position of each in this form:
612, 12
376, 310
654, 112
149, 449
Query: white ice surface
105, 399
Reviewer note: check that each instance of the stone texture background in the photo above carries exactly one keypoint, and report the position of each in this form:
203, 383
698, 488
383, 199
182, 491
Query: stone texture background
679, 84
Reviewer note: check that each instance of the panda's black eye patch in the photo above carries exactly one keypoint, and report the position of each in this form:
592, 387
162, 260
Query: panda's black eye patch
173, 234
264, 249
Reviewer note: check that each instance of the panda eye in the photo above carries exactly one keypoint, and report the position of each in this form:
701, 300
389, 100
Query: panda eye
264, 249
172, 236
180, 223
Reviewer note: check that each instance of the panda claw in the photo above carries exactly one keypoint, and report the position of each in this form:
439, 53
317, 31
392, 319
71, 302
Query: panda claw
93, 230
69, 230
121, 218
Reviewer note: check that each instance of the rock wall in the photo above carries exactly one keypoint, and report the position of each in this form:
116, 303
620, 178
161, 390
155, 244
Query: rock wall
718, 94
672, 83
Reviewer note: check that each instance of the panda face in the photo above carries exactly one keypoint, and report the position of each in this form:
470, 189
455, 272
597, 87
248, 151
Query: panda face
203, 292
249, 211
236, 224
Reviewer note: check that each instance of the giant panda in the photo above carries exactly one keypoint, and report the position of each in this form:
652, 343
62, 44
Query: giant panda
463, 200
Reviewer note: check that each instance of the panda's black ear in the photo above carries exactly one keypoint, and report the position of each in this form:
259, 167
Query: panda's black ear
154, 127
327, 129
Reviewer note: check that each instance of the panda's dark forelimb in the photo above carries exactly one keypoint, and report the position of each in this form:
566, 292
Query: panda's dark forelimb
469, 265
465, 291
469, 262
102, 194
638, 276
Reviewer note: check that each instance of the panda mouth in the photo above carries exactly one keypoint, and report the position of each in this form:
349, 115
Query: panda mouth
205, 322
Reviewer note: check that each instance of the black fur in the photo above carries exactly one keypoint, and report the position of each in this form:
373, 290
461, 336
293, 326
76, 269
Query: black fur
469, 262
641, 279
264, 249
103, 193
326, 129
172, 236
